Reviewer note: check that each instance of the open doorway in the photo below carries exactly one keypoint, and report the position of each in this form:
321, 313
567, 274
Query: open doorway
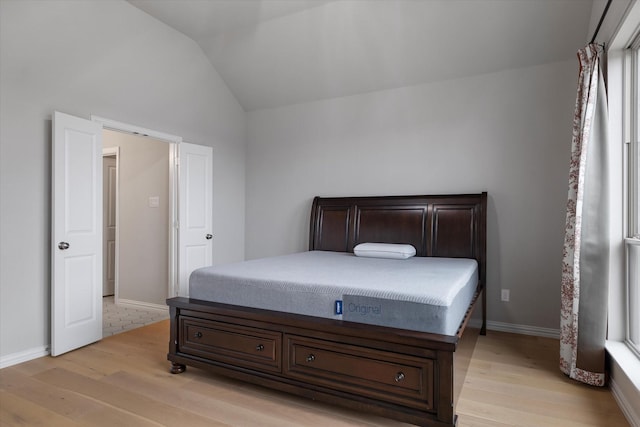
136, 230
76, 231
109, 209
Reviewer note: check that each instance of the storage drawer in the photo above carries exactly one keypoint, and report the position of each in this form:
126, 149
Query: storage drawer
402, 379
233, 344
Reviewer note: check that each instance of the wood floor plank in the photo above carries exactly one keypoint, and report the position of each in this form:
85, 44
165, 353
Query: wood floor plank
531, 407
562, 393
110, 417
118, 397
297, 410
124, 380
522, 374
500, 414
235, 411
52, 397
17, 411
113, 357
32, 367
473, 421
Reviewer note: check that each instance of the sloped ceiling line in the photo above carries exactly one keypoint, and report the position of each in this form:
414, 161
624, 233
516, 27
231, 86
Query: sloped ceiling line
273, 53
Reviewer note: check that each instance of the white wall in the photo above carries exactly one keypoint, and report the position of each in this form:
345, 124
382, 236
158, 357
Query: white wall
109, 59
143, 269
508, 133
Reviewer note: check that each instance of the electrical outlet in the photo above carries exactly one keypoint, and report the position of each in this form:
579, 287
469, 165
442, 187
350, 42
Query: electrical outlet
505, 295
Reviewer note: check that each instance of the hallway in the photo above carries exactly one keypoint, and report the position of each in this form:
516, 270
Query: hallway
116, 319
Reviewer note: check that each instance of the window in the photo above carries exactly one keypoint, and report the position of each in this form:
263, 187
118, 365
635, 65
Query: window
632, 140
633, 295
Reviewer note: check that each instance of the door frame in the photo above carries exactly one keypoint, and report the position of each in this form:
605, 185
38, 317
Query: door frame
114, 152
173, 140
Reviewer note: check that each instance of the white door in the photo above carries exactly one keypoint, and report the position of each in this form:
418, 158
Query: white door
76, 294
109, 175
195, 194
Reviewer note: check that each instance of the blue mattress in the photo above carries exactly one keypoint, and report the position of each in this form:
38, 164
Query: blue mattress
420, 293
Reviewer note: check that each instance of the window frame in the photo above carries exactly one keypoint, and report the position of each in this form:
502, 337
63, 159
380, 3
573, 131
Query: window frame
631, 135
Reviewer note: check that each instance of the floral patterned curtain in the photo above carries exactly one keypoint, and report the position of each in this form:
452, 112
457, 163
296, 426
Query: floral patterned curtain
585, 266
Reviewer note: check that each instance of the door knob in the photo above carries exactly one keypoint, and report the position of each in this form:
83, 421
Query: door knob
63, 245
209, 236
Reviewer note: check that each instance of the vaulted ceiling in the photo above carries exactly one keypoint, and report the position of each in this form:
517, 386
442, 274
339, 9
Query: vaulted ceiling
273, 53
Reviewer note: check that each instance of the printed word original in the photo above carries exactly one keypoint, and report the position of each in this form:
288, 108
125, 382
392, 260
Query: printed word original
365, 309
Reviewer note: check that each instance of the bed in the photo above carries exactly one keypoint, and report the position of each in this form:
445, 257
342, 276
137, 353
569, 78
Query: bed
404, 371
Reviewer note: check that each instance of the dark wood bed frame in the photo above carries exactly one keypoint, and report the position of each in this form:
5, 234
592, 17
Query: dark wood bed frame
405, 375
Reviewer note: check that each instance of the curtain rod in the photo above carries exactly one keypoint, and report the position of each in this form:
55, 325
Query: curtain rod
604, 13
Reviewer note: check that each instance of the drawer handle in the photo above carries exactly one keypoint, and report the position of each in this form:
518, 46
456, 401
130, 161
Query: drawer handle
399, 377
311, 358
198, 334
259, 347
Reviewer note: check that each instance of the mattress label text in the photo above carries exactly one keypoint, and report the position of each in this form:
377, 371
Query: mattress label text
364, 309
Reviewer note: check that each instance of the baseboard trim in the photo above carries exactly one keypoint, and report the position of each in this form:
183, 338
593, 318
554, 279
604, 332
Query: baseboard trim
627, 409
141, 304
23, 356
523, 329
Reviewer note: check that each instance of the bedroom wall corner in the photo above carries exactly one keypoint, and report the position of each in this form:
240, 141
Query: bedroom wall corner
508, 133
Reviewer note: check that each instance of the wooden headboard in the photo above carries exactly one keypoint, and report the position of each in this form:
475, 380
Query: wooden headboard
439, 226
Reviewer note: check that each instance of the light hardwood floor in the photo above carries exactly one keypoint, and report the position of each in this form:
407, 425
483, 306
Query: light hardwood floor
124, 380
